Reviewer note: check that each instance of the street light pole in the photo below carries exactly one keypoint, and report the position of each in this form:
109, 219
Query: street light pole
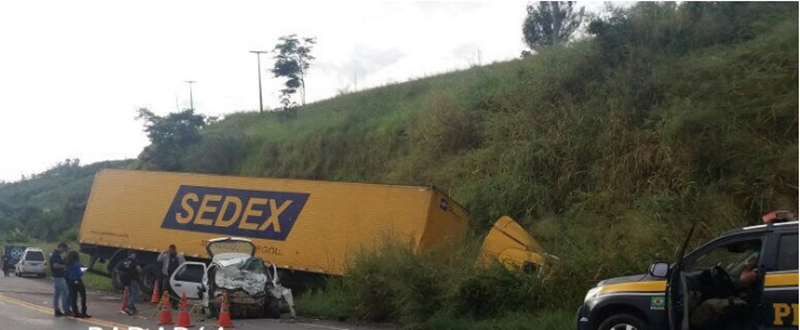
260, 97
191, 98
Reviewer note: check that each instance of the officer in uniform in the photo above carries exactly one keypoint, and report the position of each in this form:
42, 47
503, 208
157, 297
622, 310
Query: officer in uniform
728, 313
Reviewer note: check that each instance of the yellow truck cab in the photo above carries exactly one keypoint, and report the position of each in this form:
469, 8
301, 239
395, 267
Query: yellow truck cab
744, 279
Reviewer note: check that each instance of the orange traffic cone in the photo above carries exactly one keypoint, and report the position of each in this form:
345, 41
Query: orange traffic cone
183, 314
125, 297
165, 310
154, 298
225, 312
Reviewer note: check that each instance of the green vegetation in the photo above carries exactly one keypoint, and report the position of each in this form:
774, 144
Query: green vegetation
168, 136
292, 60
49, 206
607, 150
550, 23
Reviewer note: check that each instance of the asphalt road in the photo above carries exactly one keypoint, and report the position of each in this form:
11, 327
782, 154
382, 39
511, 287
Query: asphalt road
15, 315
26, 304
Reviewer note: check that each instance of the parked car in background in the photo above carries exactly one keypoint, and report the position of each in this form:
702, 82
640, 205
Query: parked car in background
31, 262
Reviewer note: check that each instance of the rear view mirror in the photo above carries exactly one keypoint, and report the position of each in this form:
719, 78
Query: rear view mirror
659, 269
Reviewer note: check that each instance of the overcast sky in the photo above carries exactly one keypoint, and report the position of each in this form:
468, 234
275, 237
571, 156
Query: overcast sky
72, 73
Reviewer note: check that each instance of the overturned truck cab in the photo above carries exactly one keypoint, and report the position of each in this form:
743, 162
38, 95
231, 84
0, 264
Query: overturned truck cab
253, 286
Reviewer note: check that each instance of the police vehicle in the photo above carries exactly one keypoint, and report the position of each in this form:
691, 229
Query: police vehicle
744, 279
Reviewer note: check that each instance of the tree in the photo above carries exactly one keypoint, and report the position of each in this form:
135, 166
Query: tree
169, 135
292, 60
550, 23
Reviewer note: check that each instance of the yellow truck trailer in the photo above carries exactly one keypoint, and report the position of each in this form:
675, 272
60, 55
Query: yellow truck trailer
307, 228
299, 225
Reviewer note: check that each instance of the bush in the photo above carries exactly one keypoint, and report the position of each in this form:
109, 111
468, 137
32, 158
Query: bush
217, 153
446, 127
607, 150
488, 292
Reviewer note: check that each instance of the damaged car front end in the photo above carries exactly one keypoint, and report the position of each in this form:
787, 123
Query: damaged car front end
253, 286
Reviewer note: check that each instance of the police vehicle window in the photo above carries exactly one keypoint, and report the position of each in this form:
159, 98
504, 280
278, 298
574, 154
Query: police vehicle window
733, 257
34, 256
190, 273
787, 253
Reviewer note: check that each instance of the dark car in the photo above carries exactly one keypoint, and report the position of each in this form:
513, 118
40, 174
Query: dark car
670, 296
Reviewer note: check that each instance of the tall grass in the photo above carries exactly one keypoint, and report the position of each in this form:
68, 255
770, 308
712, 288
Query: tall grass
607, 150
394, 284
674, 119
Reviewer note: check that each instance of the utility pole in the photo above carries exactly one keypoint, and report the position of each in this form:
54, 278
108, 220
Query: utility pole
260, 98
191, 99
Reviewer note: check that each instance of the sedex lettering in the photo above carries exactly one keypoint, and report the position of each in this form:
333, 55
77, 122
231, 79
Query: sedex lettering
236, 212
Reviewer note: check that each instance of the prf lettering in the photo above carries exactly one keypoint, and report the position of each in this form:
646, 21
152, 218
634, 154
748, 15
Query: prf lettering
248, 217
782, 311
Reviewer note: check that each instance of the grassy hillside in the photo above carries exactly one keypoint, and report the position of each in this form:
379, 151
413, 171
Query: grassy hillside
49, 205
652, 114
607, 150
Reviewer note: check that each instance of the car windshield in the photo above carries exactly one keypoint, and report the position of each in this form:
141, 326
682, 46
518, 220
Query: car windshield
254, 264
34, 256
732, 257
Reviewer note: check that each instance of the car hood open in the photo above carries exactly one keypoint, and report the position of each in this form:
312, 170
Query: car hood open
230, 250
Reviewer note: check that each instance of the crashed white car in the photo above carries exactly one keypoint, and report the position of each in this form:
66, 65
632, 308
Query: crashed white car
253, 287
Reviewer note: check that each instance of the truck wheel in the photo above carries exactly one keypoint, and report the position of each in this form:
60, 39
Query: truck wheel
623, 322
235, 312
272, 307
116, 278
150, 274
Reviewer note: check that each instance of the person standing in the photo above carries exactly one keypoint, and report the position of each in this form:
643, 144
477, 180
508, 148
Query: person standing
170, 260
60, 290
129, 271
6, 265
74, 277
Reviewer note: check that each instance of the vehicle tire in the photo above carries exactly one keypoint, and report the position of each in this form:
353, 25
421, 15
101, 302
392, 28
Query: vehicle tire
150, 274
623, 322
272, 307
116, 278
235, 312
213, 309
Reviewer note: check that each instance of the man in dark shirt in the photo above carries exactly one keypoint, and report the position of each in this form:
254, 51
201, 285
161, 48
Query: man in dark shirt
129, 270
60, 289
6, 265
